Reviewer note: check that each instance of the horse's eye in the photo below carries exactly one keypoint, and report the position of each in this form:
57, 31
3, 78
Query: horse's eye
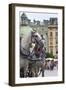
36, 36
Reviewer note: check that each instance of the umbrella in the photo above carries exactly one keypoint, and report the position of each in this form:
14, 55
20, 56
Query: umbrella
55, 59
49, 59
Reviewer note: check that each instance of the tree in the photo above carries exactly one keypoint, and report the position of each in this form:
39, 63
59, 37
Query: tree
49, 55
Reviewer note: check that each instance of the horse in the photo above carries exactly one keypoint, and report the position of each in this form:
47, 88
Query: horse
27, 64
25, 40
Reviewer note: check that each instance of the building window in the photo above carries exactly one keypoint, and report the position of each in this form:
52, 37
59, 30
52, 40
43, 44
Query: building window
56, 41
51, 50
51, 34
56, 51
56, 34
51, 43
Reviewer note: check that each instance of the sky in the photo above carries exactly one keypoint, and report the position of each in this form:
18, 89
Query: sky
40, 16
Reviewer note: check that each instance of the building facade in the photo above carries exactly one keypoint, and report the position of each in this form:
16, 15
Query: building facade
53, 36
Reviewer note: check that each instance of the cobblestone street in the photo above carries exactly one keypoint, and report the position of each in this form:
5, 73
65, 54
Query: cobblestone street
48, 73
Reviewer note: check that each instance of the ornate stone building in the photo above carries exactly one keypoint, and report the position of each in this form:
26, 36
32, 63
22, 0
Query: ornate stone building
53, 36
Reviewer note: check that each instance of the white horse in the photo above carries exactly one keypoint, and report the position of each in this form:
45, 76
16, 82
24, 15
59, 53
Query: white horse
24, 48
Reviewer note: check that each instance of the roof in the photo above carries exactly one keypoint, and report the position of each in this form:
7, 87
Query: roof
23, 15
